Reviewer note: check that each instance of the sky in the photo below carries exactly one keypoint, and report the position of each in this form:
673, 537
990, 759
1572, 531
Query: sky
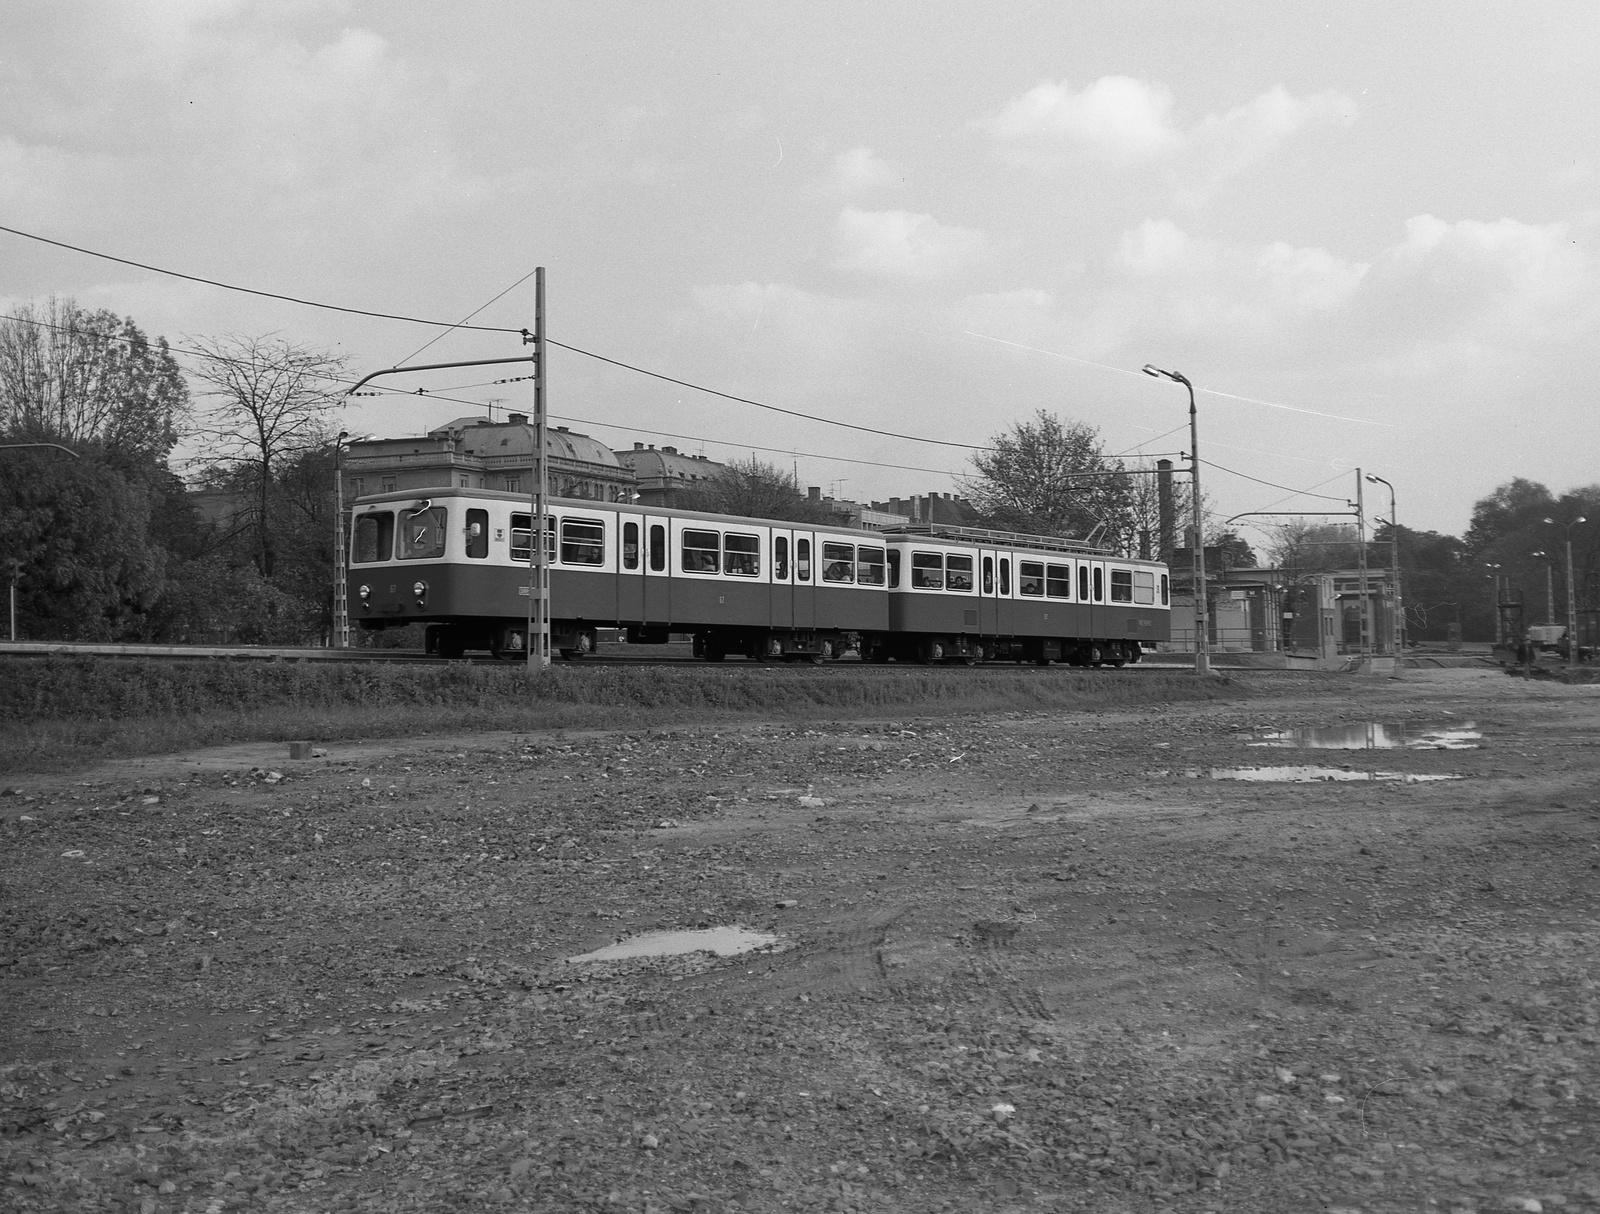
1368, 233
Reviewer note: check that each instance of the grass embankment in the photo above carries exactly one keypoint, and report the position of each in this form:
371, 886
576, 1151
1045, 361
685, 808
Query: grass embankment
61, 713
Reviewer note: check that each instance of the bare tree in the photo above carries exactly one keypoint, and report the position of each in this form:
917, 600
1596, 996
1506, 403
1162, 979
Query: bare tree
88, 377
271, 401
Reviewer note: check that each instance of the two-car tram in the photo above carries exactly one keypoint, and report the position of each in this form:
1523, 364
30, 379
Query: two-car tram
457, 560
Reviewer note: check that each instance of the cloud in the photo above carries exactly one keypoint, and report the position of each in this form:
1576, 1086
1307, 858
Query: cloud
1118, 118
901, 244
1127, 122
859, 171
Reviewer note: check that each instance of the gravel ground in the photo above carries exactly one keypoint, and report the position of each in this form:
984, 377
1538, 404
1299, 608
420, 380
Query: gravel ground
1025, 962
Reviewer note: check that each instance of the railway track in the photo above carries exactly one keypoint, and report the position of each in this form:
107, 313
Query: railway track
268, 653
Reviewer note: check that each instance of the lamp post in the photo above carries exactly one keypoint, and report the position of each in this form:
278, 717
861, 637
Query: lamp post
1202, 650
1394, 559
1495, 603
1549, 584
1572, 598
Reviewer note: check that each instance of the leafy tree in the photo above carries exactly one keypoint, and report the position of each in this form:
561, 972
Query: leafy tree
76, 534
754, 489
271, 401
79, 378
1236, 551
1049, 477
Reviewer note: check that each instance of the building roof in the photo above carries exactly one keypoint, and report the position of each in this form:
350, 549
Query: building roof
481, 437
667, 463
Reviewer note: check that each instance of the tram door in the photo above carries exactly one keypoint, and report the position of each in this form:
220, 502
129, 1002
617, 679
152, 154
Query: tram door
1097, 598
807, 562
781, 566
655, 559
989, 602
630, 568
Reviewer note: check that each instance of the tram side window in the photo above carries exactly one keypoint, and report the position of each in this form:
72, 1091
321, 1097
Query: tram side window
838, 562
1122, 585
741, 554
658, 547
1005, 577
780, 558
869, 566
802, 560
988, 575
1099, 584
421, 534
1165, 590
519, 538
374, 537
1144, 587
477, 534
894, 569
927, 571
1083, 583
583, 542
702, 551
958, 573
630, 545
1030, 578
1058, 581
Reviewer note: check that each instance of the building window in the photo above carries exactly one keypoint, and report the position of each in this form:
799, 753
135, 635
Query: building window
358, 486
388, 485
513, 484
466, 481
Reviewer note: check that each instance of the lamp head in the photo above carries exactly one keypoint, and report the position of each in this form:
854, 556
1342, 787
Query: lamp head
1580, 519
1151, 369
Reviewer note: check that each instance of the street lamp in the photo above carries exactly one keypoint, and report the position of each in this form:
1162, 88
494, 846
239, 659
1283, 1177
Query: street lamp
1572, 598
1202, 653
1495, 578
1549, 584
1394, 555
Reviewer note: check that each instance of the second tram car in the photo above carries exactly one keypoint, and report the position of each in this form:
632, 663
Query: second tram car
457, 560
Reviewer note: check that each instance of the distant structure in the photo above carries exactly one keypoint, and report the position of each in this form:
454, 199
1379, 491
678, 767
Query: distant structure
477, 453
663, 475
948, 508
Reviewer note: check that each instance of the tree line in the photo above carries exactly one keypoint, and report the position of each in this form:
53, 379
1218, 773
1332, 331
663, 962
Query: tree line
102, 537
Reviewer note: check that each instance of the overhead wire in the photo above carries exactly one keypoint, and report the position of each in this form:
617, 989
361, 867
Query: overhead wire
683, 383
449, 326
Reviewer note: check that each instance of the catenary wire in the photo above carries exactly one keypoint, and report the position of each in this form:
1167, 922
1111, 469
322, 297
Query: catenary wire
683, 383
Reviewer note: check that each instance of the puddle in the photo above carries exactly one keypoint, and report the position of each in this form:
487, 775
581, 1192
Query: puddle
723, 941
1375, 736
1314, 775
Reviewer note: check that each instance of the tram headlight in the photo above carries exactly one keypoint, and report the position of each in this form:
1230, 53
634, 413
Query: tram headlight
420, 589
364, 593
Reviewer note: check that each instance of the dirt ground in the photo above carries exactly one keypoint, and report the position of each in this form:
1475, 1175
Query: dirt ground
1028, 962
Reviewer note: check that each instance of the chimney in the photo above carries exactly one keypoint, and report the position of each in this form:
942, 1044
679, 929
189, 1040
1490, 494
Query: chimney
516, 419
1164, 508
814, 492
638, 446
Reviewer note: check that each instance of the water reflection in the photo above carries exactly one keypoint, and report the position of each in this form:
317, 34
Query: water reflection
1316, 775
723, 941
1368, 735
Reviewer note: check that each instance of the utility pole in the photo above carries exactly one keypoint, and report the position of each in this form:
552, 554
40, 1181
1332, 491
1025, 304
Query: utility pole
1361, 551
538, 557
341, 599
